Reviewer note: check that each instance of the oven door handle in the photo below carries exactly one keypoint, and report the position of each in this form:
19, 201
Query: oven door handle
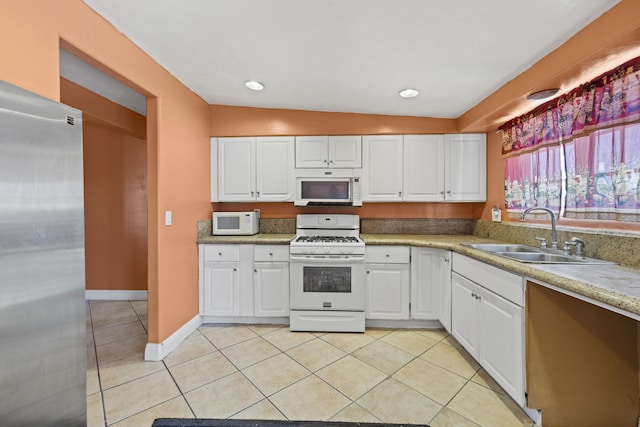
324, 259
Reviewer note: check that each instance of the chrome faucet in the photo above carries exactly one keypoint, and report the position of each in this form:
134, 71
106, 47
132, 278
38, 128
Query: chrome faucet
554, 237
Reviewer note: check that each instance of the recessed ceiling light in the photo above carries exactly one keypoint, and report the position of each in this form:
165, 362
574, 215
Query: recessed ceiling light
254, 85
408, 93
542, 94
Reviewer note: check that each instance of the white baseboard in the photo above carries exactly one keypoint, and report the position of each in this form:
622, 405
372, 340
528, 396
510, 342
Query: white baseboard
114, 295
156, 352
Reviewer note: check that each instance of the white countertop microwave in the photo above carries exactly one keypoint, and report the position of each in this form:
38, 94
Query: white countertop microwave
236, 223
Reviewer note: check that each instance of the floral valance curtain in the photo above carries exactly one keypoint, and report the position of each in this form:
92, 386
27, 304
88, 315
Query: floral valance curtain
612, 98
579, 153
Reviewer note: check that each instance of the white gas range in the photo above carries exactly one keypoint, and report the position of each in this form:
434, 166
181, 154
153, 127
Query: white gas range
327, 291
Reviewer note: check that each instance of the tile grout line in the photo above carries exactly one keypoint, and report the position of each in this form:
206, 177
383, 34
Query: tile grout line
95, 349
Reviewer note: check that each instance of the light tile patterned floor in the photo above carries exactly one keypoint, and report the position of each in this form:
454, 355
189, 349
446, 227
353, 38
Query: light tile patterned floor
268, 372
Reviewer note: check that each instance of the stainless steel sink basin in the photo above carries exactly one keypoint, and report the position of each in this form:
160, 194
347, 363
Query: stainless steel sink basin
524, 253
499, 247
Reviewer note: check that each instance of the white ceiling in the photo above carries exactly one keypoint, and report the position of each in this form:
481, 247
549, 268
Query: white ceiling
349, 55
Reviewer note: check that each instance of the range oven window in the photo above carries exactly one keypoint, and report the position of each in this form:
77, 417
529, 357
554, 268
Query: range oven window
325, 190
327, 279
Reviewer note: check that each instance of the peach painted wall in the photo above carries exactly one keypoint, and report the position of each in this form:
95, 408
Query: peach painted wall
177, 136
115, 209
115, 190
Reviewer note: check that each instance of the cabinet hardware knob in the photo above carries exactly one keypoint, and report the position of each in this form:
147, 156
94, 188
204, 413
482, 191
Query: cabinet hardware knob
387, 255
326, 161
331, 161
368, 272
235, 269
442, 192
446, 260
473, 294
448, 191
219, 253
399, 193
258, 194
270, 253
255, 270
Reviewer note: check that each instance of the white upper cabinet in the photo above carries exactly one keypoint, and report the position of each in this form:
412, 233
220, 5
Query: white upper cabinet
424, 168
329, 151
236, 169
450, 168
275, 180
465, 177
254, 169
382, 168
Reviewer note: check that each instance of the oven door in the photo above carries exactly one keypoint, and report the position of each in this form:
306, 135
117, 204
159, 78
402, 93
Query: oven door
327, 282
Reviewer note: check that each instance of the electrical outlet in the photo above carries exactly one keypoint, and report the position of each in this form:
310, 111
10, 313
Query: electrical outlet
167, 217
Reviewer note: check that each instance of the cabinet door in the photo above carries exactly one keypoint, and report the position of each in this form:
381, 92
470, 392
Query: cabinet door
428, 275
312, 151
502, 349
221, 289
382, 168
464, 313
387, 291
345, 151
213, 162
275, 180
466, 168
271, 289
443, 291
423, 168
236, 169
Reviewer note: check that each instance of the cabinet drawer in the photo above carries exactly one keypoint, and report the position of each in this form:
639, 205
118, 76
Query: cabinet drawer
221, 253
387, 254
501, 282
271, 253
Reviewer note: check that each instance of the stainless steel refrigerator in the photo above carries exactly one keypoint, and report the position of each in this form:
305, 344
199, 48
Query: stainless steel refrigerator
42, 273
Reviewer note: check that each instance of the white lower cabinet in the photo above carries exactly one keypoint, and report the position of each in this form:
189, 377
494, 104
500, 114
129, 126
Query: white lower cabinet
220, 280
271, 281
431, 285
244, 280
490, 326
387, 282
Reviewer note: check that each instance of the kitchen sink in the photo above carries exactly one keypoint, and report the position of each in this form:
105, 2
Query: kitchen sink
499, 247
529, 254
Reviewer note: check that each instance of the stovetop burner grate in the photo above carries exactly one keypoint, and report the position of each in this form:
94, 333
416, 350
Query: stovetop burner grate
327, 239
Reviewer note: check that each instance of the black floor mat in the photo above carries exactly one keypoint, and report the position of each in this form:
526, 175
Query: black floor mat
182, 422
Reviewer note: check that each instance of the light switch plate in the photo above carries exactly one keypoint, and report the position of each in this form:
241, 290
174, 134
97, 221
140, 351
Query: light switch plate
167, 217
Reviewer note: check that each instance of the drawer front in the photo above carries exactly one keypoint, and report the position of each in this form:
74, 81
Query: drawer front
387, 254
508, 285
263, 253
221, 253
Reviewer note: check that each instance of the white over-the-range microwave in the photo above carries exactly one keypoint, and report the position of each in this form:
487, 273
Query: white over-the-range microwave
328, 187
236, 223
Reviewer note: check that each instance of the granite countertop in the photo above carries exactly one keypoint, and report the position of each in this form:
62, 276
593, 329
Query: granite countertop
613, 285
257, 239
